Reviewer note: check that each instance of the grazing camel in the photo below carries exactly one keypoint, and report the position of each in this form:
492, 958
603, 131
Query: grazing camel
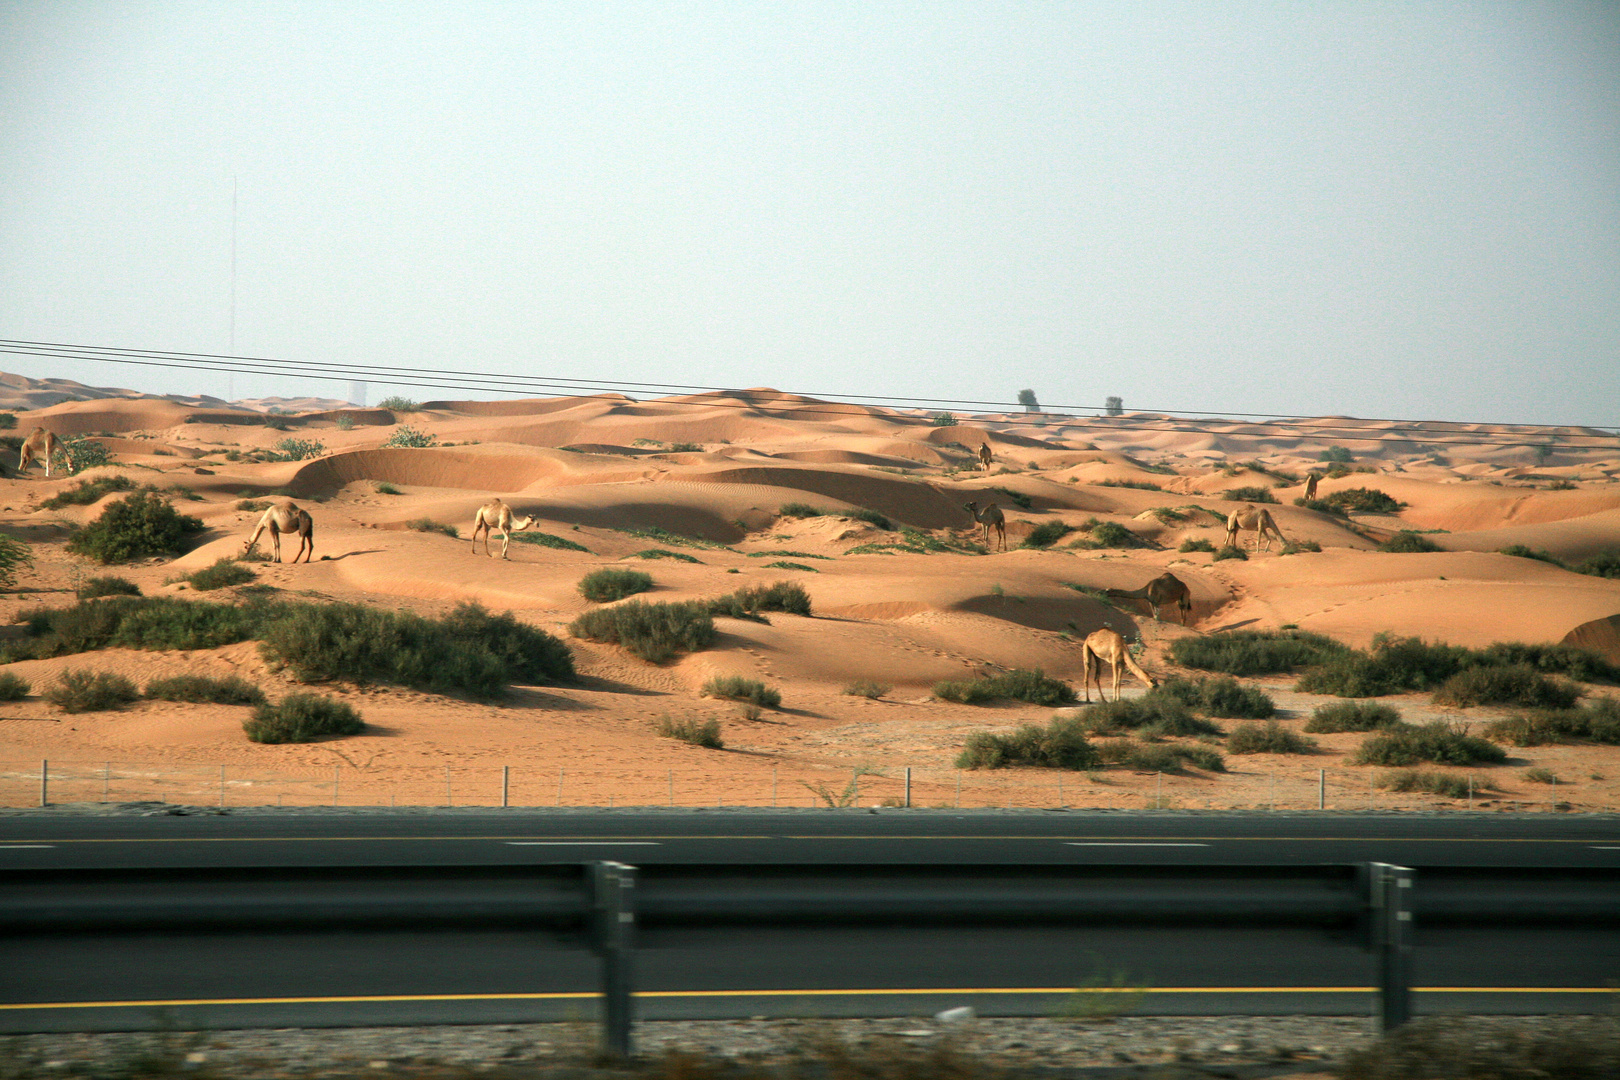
285, 516
984, 455
496, 516
1255, 519
41, 445
1164, 589
1107, 645
990, 516
1310, 485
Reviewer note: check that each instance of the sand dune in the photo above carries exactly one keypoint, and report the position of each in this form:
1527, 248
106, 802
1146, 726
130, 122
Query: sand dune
885, 612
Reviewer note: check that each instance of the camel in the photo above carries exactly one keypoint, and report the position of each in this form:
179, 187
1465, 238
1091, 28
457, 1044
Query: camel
41, 445
285, 517
1255, 519
1164, 589
984, 456
1107, 645
496, 516
1310, 485
990, 516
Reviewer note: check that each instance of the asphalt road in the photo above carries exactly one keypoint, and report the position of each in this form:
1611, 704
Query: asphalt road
88, 982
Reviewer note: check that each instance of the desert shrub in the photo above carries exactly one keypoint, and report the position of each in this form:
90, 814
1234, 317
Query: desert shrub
1336, 453
109, 585
1605, 564
1296, 547
654, 632
1475, 1049
1362, 500
14, 555
1598, 721
1322, 506
398, 404
561, 543
385, 488
867, 689
800, 510
1521, 551
1195, 543
299, 718
531, 655
943, 419
132, 622
1154, 714
88, 491
788, 554
252, 505
410, 438
1061, 744
1139, 485
299, 449
1114, 535
1568, 660
13, 687
7, 421
663, 536
1018, 498
705, 733
86, 691
1438, 742
345, 422
660, 553
1351, 716
782, 564
204, 690
1540, 776
1249, 494
1511, 684
1159, 757
737, 688
140, 524
1431, 782
685, 448
1394, 664
1224, 697
427, 524
601, 586
1268, 738
1254, 652
1229, 551
746, 603
1407, 542
221, 574
77, 454
1018, 684
1047, 534
871, 517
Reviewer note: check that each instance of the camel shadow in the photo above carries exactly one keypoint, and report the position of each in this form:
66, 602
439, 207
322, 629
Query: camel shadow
1232, 626
610, 686
348, 554
529, 697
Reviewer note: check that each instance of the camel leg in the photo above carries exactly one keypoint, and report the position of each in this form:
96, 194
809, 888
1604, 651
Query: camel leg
506, 538
275, 540
1001, 531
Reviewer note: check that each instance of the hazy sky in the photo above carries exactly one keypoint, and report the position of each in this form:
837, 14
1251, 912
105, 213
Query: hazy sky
1403, 209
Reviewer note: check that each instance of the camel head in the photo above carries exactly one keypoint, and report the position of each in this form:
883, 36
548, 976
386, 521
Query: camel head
519, 524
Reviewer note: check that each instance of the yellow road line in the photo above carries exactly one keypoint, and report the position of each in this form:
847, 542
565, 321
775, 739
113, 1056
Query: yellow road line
789, 836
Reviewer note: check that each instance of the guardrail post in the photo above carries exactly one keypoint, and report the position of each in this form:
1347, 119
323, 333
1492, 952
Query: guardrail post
1390, 898
613, 897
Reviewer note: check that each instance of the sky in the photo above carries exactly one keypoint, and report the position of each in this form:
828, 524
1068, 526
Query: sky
1371, 209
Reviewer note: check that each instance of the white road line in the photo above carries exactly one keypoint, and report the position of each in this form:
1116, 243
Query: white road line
1600, 847
582, 843
23, 847
1100, 843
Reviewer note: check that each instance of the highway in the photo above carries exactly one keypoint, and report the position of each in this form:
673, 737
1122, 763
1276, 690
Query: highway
356, 975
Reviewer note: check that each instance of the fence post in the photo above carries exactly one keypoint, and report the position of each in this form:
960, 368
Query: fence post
613, 897
908, 787
337, 773
1390, 898
222, 787
506, 784
44, 783
449, 799
1321, 789
106, 781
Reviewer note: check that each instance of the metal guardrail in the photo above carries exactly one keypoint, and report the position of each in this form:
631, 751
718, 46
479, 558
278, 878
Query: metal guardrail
604, 903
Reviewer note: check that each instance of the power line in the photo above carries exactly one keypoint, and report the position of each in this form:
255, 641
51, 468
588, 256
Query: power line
1430, 432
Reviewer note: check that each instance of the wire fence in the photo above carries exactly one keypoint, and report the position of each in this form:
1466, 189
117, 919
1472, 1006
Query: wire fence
44, 783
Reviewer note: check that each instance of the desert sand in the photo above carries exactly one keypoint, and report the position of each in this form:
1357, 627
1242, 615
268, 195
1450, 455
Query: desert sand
591, 469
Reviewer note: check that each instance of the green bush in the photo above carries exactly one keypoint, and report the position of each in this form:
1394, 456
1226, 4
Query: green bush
1521, 551
1254, 652
1111, 534
88, 491
654, 632
300, 718
204, 690
85, 691
1511, 684
1296, 547
1394, 664
1351, 716
136, 526
7, 421
410, 438
398, 404
737, 688
602, 586
1017, 498
299, 449
943, 419
1598, 721
427, 525
1230, 551
1047, 534
1336, 453
1322, 506
1195, 543
1061, 744
107, 586
1268, 738
1224, 697
77, 454
1430, 782
221, 574
532, 656
1407, 542
14, 555
663, 536
746, 603
872, 517
1605, 564
1019, 684
867, 689
1157, 713
132, 622
705, 733
1159, 757
1249, 494
1362, 500
660, 553
385, 488
561, 543
800, 510
782, 564
788, 554
13, 687
1438, 742
1571, 661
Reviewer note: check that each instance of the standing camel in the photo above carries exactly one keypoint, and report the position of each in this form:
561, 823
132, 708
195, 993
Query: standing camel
1310, 485
1255, 519
496, 516
984, 455
1164, 589
41, 445
285, 516
990, 516
1107, 645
